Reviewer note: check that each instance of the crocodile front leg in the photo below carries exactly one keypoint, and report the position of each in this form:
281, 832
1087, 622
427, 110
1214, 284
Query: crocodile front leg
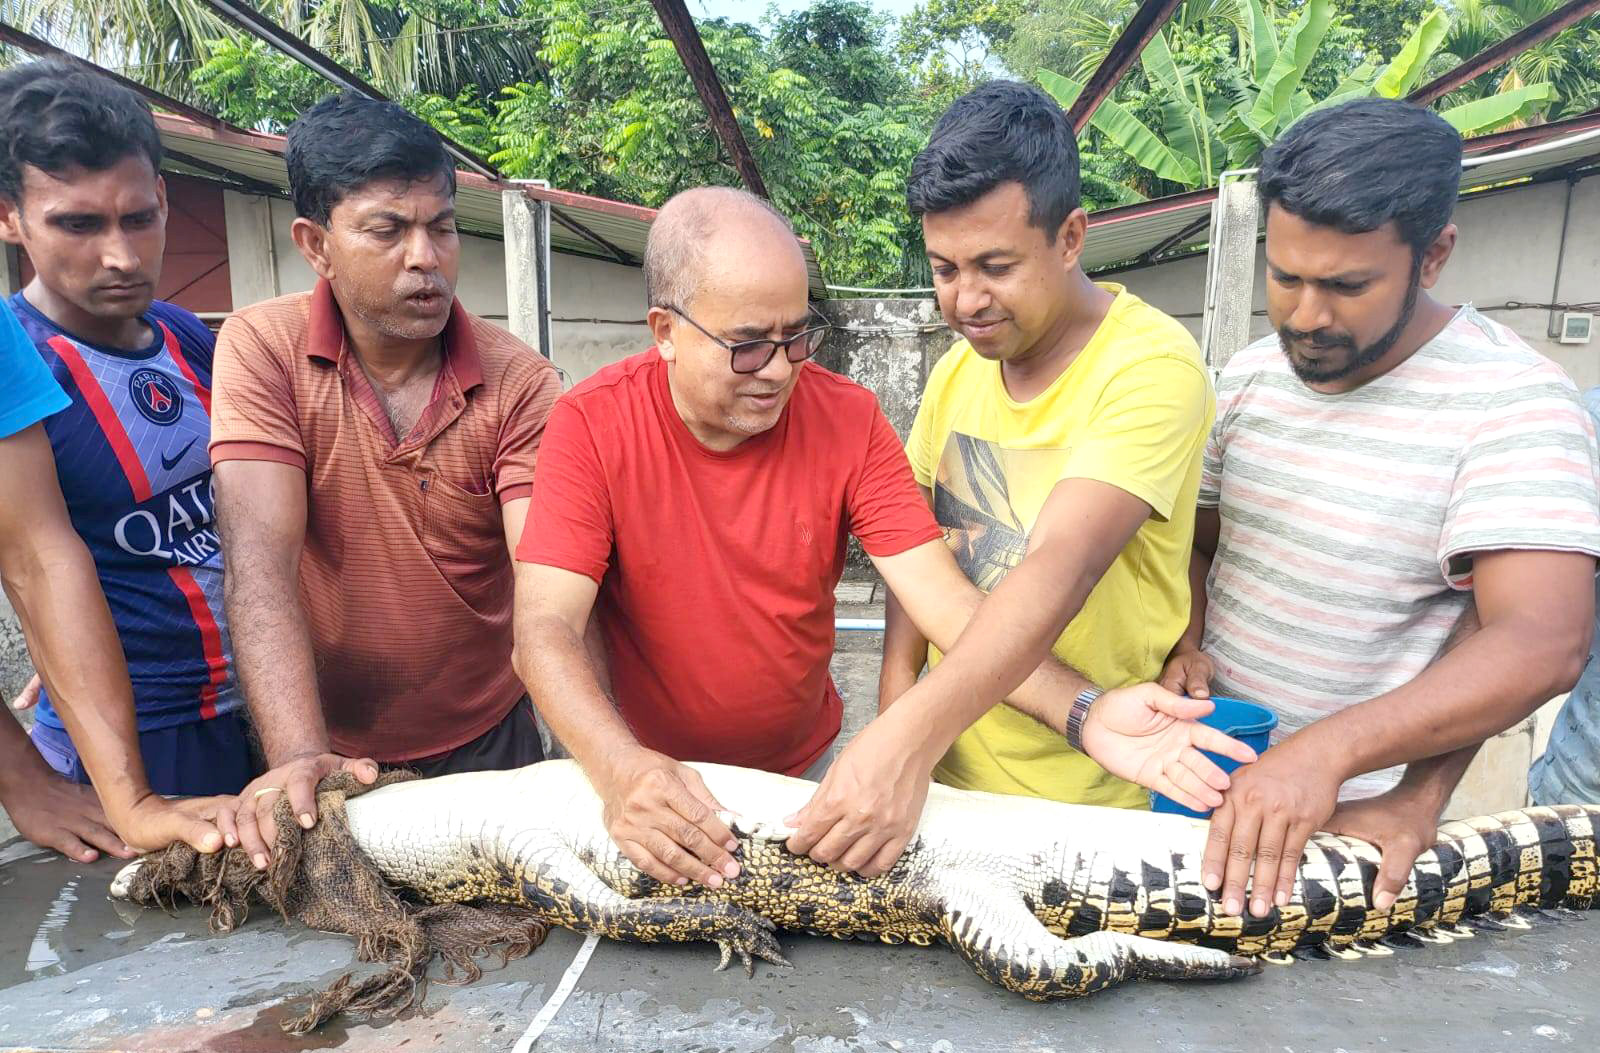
989, 925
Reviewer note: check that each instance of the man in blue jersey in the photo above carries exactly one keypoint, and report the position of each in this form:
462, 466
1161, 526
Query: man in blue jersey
50, 578
81, 191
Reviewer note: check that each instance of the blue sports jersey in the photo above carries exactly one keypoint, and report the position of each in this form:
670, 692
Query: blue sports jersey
131, 455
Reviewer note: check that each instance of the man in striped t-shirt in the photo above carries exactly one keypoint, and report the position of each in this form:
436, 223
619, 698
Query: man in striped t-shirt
1389, 479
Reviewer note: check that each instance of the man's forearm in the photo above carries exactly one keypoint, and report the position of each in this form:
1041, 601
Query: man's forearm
905, 652
1046, 695
556, 667
1002, 648
1470, 694
74, 647
274, 659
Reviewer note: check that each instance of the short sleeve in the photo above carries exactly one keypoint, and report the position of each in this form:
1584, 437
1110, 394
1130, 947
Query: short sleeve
886, 511
521, 430
1145, 431
31, 394
1527, 479
252, 399
570, 522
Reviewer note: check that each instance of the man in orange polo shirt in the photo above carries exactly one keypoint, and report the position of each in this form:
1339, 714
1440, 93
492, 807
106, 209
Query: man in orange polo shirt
374, 448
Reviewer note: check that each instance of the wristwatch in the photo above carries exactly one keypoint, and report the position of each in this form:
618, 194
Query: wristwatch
1077, 714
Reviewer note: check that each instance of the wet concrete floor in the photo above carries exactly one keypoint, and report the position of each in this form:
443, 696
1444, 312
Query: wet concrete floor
78, 973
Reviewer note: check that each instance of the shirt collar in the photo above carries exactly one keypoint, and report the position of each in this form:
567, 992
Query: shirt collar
325, 337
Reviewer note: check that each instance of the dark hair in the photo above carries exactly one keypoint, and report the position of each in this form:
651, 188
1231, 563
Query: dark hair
58, 113
1002, 131
347, 141
1361, 164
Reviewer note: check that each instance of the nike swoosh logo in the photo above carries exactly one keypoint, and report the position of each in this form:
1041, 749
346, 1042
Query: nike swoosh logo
169, 463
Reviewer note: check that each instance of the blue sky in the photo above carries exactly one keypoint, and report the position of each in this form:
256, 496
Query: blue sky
752, 10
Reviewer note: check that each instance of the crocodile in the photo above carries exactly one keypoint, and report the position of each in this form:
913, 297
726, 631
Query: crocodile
1047, 900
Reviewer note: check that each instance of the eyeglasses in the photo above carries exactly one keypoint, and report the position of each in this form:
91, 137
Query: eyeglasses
752, 356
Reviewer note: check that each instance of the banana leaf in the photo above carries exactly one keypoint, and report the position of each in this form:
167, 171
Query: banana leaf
1487, 114
1272, 107
1404, 71
1127, 132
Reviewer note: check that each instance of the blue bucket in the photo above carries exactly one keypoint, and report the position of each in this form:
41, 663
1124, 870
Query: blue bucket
1249, 723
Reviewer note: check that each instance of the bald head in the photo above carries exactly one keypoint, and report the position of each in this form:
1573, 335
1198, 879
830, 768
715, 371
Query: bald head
706, 229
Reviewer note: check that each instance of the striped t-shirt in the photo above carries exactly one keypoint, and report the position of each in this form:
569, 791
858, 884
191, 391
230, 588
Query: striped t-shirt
1349, 521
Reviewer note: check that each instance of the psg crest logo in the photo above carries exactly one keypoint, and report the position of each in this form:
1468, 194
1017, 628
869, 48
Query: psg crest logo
156, 396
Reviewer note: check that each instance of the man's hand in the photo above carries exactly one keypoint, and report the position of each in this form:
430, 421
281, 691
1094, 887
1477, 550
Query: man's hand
1272, 808
664, 820
54, 813
248, 821
155, 822
1148, 735
28, 697
1401, 824
1188, 672
868, 805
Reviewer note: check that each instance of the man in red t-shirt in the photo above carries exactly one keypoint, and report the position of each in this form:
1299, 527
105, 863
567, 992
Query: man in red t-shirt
695, 499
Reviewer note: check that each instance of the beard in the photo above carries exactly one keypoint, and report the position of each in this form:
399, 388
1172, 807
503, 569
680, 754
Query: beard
1355, 358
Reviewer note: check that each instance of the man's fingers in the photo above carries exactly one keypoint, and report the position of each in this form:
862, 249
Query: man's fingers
250, 839
886, 858
702, 832
1289, 865
365, 769
1204, 768
1172, 679
836, 843
227, 825
1182, 785
1209, 738
302, 790
70, 846
1394, 871
697, 786
201, 836
1236, 870
29, 696
103, 838
863, 852
1175, 705
816, 825
1268, 857
1219, 833
1197, 678
676, 859
640, 857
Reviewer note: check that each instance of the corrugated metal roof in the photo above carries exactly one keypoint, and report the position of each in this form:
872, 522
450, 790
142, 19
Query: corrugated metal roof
259, 158
1125, 234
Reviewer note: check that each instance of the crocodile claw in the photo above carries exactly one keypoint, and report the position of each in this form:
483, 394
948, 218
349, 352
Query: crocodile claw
750, 936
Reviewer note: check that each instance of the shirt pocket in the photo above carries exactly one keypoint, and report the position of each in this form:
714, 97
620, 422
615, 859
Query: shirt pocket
464, 535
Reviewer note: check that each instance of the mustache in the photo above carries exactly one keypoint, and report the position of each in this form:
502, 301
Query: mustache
433, 285
1321, 339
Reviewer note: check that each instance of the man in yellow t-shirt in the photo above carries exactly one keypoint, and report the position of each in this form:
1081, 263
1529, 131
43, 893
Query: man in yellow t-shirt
1060, 442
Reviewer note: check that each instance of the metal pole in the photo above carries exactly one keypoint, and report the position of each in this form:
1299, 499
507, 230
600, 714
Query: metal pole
692, 50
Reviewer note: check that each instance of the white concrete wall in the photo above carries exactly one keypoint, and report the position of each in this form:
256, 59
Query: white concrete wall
1506, 251
265, 263
584, 288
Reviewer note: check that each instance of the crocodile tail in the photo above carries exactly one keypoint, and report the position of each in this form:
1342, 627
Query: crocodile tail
1534, 857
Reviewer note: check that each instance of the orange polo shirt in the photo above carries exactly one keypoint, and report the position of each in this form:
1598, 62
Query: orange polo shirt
405, 578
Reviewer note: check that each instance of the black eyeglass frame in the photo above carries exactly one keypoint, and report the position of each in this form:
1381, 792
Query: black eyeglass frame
817, 334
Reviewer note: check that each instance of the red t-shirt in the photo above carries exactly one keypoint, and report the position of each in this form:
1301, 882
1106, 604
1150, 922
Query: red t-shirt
717, 570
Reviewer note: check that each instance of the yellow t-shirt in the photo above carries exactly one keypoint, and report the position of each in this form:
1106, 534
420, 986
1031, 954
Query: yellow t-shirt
1132, 410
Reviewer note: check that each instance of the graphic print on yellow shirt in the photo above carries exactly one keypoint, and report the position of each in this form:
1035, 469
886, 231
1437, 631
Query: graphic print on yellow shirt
1132, 411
